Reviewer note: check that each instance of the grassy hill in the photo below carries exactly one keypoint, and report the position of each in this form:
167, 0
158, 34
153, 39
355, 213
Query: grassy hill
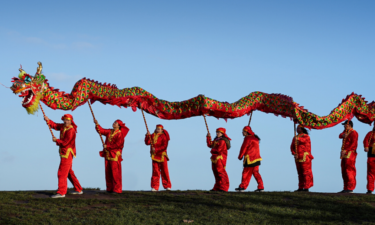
183, 207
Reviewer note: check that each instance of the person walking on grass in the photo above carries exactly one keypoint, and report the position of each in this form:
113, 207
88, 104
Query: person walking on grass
112, 152
219, 151
251, 160
348, 156
301, 150
67, 150
369, 144
159, 157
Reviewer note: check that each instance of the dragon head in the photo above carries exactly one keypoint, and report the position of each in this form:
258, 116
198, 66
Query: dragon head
30, 88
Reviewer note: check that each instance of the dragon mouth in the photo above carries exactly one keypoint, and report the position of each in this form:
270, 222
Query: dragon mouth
28, 97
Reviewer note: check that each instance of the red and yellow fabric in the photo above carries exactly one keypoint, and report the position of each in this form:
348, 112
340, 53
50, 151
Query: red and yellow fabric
115, 140
250, 150
250, 154
159, 164
369, 142
349, 144
219, 153
67, 139
67, 150
348, 169
66, 172
160, 143
303, 148
303, 160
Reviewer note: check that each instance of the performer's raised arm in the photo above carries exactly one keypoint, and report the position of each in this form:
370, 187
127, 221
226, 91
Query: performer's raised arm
53, 125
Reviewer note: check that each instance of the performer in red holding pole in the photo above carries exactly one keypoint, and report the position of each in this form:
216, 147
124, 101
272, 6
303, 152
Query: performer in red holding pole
348, 156
301, 149
369, 144
219, 151
112, 152
160, 139
251, 160
67, 144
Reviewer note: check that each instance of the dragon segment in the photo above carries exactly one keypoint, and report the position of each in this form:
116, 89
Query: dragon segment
36, 88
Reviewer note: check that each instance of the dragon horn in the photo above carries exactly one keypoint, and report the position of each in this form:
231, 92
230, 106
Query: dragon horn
39, 69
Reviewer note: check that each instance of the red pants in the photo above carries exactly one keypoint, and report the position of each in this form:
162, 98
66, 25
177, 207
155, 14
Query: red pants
370, 173
349, 172
160, 168
305, 175
221, 176
246, 177
113, 176
65, 171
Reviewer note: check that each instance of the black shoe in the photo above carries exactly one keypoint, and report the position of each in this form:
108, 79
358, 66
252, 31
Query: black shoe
240, 189
299, 190
212, 190
305, 190
345, 191
259, 190
369, 192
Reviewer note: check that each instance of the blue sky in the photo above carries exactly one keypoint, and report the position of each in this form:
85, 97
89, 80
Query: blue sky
314, 51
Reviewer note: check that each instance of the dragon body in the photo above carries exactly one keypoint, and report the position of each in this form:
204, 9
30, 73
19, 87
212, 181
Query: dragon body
36, 88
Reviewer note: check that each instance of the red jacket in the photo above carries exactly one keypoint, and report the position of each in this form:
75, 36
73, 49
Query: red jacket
67, 141
350, 143
115, 143
369, 142
160, 142
250, 150
219, 150
303, 148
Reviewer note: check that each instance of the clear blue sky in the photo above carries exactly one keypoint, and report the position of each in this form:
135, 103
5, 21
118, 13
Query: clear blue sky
314, 51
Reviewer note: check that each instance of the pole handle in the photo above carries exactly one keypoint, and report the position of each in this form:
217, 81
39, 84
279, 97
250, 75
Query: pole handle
46, 121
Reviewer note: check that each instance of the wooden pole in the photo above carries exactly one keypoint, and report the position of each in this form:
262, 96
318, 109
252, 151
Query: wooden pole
205, 121
250, 118
46, 121
93, 116
144, 118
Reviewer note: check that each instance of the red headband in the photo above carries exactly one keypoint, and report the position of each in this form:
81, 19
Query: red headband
124, 129
69, 117
223, 131
248, 130
159, 125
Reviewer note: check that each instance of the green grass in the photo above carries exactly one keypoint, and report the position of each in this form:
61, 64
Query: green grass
174, 207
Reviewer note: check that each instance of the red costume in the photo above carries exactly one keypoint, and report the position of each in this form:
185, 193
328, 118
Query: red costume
251, 159
219, 150
369, 142
115, 143
159, 159
67, 150
301, 148
348, 158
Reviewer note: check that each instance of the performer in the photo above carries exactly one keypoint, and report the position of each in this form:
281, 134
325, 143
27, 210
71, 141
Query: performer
67, 150
251, 160
219, 150
348, 156
160, 139
112, 152
369, 144
301, 149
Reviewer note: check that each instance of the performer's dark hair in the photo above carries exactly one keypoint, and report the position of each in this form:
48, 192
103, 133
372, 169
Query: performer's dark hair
304, 130
257, 137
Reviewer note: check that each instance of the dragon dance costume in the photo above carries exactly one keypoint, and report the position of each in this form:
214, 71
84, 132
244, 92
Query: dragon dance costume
67, 150
348, 158
115, 140
251, 159
301, 148
369, 142
219, 151
159, 158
